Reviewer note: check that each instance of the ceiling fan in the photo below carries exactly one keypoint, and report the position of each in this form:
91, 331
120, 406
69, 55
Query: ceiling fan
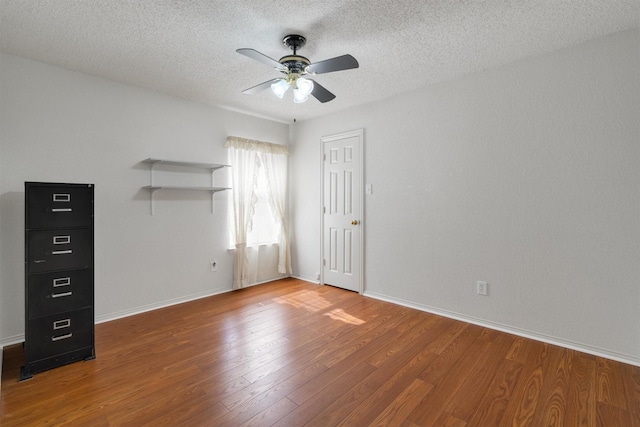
295, 69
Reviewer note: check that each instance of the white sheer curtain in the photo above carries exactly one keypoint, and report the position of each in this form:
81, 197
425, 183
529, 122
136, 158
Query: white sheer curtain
243, 179
245, 156
276, 170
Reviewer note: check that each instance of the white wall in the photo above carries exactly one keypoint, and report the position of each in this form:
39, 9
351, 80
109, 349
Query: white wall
1, 344
526, 176
62, 126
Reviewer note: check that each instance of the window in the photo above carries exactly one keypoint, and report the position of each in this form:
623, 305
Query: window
265, 230
258, 214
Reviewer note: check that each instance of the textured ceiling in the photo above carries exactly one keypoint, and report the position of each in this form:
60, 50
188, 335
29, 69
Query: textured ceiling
186, 48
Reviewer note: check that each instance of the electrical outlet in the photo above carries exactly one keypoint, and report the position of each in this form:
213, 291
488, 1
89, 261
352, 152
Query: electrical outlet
214, 265
482, 288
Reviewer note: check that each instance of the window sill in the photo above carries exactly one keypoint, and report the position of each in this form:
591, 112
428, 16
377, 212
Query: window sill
231, 250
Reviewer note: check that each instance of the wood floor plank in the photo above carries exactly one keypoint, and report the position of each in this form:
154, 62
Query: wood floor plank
198, 412
518, 351
466, 399
319, 383
405, 402
271, 415
611, 415
334, 413
632, 391
279, 390
581, 403
449, 380
556, 386
364, 337
291, 353
301, 350
402, 340
610, 383
448, 420
464, 337
527, 401
386, 388
492, 407
304, 357
325, 393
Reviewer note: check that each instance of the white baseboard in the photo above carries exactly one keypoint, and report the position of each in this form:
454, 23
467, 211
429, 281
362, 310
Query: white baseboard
15, 339
158, 305
307, 279
283, 276
596, 351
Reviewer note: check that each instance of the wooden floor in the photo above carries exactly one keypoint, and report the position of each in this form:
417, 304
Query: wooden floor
292, 353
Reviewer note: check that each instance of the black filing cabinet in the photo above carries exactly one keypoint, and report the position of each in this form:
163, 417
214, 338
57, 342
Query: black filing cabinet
59, 302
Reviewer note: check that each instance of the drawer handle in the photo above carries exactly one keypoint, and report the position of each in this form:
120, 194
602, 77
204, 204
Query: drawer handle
61, 240
62, 337
69, 251
62, 281
61, 324
61, 210
62, 294
39, 261
61, 197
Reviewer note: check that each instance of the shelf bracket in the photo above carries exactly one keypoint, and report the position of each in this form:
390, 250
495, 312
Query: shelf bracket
151, 191
213, 192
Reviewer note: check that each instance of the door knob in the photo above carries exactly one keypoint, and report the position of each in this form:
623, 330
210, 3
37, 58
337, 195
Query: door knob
354, 222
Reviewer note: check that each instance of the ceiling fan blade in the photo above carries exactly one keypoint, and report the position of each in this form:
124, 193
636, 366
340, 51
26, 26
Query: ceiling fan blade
320, 93
339, 63
260, 57
261, 86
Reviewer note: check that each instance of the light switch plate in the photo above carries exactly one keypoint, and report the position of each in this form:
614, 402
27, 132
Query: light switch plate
482, 288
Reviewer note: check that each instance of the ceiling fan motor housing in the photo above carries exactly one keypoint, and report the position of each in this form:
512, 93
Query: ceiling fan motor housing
295, 63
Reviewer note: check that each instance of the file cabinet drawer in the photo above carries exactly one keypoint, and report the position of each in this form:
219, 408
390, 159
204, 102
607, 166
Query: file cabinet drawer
50, 293
57, 207
59, 333
64, 249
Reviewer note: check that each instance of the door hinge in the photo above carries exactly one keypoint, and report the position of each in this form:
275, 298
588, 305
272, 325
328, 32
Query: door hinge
324, 209
324, 262
324, 157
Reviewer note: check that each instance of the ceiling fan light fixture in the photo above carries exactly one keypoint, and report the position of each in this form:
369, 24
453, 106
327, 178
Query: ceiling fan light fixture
299, 97
280, 87
304, 85
302, 90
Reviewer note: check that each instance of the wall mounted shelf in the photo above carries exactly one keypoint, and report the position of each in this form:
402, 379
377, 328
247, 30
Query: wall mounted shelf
210, 167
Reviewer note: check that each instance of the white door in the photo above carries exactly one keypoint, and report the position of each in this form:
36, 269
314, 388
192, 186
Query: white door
342, 211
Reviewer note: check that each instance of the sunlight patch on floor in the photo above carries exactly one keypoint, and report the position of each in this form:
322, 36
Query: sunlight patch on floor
309, 300
340, 314
314, 302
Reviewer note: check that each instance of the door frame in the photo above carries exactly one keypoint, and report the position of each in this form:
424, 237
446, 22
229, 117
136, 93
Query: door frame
359, 133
